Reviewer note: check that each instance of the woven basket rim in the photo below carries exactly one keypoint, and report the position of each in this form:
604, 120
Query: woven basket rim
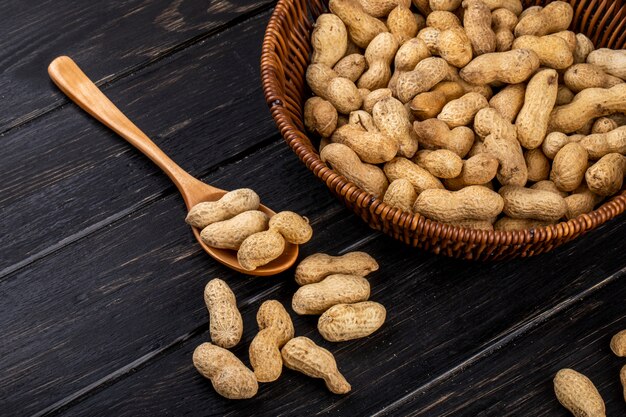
297, 139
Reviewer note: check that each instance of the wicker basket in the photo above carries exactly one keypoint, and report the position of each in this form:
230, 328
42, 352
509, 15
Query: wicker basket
284, 60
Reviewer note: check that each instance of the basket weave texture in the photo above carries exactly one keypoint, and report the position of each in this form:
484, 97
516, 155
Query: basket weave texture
284, 60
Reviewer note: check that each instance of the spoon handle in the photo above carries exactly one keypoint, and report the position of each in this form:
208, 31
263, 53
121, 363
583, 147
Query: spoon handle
82, 91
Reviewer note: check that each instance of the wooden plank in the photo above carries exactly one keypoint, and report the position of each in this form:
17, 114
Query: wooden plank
516, 379
141, 304
65, 175
110, 40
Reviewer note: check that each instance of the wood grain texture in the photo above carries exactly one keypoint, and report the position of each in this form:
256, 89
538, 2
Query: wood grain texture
440, 313
111, 39
66, 175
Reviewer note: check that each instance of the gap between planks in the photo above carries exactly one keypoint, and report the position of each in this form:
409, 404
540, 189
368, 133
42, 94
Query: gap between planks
109, 80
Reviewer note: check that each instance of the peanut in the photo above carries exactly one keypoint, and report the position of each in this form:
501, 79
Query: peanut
346, 162
447, 5
555, 141
392, 119
477, 22
381, 8
569, 37
514, 6
526, 203
587, 105
578, 394
553, 52
315, 268
442, 20
622, 377
230, 234
329, 30
420, 178
488, 121
451, 44
503, 22
371, 146
564, 95
511, 67
548, 185
509, 224
436, 133
427, 105
477, 170
275, 330
320, 117
581, 76
402, 23
362, 27
509, 101
423, 6
606, 176
473, 202
229, 376
538, 165
600, 144
426, 74
581, 201
334, 289
400, 194
260, 249
618, 343
509, 154
461, 112
453, 75
555, 17
341, 92
301, 354
374, 97
294, 228
379, 55
604, 125
584, 47
611, 61
532, 120
351, 67
442, 163
226, 324
569, 166
232, 203
344, 322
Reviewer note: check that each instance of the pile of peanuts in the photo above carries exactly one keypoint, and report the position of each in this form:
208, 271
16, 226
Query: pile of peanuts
234, 222
475, 113
330, 284
578, 394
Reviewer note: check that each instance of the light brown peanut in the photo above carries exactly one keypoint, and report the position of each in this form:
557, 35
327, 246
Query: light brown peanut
426, 74
420, 178
622, 377
400, 194
442, 163
509, 101
344, 322
603, 125
503, 22
275, 330
361, 26
606, 176
226, 324
587, 105
618, 343
532, 120
514, 6
374, 97
260, 249
488, 121
346, 162
427, 105
577, 393
232, 203
600, 144
451, 44
461, 112
512, 170
511, 67
381, 8
294, 228
473, 202
526, 203
555, 17
564, 95
584, 47
477, 23
447, 5
436, 133
569, 166
510, 224
229, 376
320, 117
329, 40
581, 201
581, 76
350, 67
230, 234
553, 51
392, 119
442, 20
402, 23
554, 141
334, 289
339, 91
548, 185
477, 170
538, 165
302, 355
315, 268
611, 61
372, 147
379, 55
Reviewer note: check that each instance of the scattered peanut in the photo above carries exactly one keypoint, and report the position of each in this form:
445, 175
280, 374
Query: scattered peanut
334, 289
232, 203
618, 343
226, 325
578, 394
344, 322
316, 267
230, 234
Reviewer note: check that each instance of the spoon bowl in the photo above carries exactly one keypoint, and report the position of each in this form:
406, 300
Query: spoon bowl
80, 89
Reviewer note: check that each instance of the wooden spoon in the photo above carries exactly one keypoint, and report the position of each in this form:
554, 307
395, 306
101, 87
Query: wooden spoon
80, 89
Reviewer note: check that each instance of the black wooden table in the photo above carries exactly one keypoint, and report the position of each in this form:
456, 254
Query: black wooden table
101, 280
